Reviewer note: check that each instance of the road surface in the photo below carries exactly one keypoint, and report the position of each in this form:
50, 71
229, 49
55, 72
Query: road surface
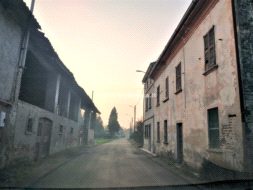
113, 164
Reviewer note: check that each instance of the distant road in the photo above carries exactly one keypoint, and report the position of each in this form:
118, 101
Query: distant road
114, 164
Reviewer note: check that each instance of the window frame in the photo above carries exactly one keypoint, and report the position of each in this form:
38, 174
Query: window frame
165, 130
178, 78
158, 132
158, 96
213, 142
29, 126
150, 101
209, 51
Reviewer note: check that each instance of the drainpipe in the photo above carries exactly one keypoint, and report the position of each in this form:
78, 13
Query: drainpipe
23, 53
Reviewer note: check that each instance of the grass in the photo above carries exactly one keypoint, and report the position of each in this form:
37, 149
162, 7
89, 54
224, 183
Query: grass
102, 141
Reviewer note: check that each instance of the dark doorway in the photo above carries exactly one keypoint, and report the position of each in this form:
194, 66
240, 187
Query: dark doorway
179, 142
43, 138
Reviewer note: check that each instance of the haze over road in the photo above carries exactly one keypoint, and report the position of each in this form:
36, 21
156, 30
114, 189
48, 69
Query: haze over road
114, 164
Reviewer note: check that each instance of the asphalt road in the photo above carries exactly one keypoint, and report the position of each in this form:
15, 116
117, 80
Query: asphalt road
113, 164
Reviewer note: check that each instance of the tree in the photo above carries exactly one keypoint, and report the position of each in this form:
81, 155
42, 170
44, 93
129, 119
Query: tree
99, 129
113, 124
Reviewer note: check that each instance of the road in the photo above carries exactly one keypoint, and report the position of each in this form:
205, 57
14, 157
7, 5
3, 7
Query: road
113, 164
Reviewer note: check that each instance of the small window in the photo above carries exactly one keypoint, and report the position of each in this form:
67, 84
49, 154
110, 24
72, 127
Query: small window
150, 101
158, 96
39, 132
209, 45
213, 128
178, 79
158, 132
167, 87
165, 132
29, 126
71, 130
146, 103
60, 129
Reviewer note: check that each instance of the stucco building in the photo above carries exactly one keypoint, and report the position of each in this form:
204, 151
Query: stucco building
203, 83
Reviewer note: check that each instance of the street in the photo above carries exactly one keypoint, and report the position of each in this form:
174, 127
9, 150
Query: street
113, 164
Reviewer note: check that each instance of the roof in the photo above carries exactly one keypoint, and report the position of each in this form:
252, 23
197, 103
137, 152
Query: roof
148, 72
179, 32
20, 12
44, 46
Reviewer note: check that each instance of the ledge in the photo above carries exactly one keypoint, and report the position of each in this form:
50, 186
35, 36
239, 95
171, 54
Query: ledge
165, 100
5, 102
211, 69
214, 150
177, 92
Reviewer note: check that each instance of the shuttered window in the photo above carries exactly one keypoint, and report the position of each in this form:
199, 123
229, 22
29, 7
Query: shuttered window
158, 132
178, 78
158, 96
167, 87
165, 132
209, 43
213, 128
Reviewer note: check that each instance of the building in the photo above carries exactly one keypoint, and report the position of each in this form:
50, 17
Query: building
203, 83
43, 109
148, 101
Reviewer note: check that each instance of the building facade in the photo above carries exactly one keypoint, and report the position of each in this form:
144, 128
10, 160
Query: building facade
148, 101
202, 79
43, 109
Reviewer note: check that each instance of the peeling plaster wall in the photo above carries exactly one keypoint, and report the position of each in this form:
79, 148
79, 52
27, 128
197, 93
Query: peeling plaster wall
149, 117
10, 41
244, 18
200, 93
25, 143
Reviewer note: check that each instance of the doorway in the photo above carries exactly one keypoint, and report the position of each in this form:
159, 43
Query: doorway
43, 138
179, 142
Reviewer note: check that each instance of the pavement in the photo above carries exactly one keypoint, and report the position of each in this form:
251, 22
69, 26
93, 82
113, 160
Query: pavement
115, 164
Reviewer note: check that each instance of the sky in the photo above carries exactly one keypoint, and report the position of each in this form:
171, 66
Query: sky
104, 42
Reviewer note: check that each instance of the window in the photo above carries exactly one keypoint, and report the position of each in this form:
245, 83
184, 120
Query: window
158, 132
213, 128
71, 130
146, 103
158, 95
60, 129
167, 87
149, 131
29, 126
165, 132
209, 43
178, 79
150, 101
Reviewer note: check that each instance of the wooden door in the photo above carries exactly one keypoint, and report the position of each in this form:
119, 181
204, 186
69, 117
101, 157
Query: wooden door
180, 142
43, 138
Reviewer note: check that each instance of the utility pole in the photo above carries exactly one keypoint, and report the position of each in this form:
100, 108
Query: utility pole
134, 118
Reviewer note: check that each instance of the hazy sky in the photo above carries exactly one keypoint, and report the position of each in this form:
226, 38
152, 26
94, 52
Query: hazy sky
104, 42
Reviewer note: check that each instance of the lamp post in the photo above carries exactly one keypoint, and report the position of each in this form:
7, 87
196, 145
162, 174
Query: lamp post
130, 130
134, 115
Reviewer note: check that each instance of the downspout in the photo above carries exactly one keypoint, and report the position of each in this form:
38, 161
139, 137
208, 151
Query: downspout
23, 53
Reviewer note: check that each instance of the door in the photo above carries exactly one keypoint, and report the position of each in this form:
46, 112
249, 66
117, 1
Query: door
43, 138
149, 137
180, 142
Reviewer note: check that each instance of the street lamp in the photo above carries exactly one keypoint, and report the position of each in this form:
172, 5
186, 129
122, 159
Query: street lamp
130, 131
139, 71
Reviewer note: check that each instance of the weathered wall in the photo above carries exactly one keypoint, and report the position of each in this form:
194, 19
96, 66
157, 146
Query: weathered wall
244, 26
25, 143
200, 93
10, 40
148, 144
